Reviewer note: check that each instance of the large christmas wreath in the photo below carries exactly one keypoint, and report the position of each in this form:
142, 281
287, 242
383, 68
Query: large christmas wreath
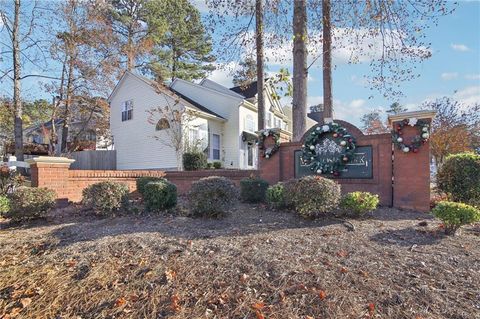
417, 141
341, 137
262, 136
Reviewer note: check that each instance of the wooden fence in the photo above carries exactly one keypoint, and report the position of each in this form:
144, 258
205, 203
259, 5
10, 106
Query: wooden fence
94, 160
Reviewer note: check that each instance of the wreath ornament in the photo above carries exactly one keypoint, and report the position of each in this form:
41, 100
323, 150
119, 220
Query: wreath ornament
267, 152
417, 141
338, 163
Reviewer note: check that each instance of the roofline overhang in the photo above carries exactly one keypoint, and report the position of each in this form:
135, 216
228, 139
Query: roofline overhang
424, 114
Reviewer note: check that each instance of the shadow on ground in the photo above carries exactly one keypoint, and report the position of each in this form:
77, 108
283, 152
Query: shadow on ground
408, 237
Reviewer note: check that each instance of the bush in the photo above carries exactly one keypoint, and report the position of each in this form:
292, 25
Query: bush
312, 195
253, 189
459, 177
194, 161
209, 165
212, 196
30, 202
275, 196
359, 203
4, 205
160, 195
217, 165
142, 181
454, 215
105, 197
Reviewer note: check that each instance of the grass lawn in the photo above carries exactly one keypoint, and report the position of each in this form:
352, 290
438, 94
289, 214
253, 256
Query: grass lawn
254, 263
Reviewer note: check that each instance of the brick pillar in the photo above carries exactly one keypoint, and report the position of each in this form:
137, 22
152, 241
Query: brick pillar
269, 168
52, 173
411, 171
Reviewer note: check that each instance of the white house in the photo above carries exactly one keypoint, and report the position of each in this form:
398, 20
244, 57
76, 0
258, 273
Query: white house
225, 120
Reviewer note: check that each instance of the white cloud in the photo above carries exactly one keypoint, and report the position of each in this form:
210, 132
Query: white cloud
357, 103
201, 5
468, 95
460, 47
223, 74
472, 76
446, 76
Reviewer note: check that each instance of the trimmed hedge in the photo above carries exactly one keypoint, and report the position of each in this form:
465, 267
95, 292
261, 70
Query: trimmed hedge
253, 189
217, 165
142, 181
311, 196
359, 203
30, 202
459, 177
194, 161
105, 197
212, 196
454, 215
276, 196
160, 195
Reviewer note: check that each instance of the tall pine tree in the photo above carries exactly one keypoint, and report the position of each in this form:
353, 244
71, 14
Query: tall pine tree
183, 50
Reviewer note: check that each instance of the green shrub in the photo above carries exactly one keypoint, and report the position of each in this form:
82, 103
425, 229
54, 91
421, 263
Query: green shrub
217, 165
212, 196
209, 165
312, 195
105, 197
359, 203
4, 205
30, 202
253, 189
194, 161
275, 196
160, 195
142, 181
459, 177
454, 215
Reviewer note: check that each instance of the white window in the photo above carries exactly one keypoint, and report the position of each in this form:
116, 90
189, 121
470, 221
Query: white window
269, 120
250, 154
127, 110
215, 146
249, 123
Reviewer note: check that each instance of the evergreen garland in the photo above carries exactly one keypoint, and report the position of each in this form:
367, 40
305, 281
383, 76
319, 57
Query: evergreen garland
262, 135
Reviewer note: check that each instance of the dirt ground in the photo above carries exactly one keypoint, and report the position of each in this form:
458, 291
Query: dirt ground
254, 263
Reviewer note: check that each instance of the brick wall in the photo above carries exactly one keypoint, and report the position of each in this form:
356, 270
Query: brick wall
68, 184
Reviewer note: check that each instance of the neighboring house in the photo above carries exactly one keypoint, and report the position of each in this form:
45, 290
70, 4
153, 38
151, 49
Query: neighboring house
82, 136
226, 121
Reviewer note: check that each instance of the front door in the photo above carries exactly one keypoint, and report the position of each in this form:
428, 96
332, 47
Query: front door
250, 155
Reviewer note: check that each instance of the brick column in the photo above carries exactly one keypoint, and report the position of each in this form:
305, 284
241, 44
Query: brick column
52, 173
411, 171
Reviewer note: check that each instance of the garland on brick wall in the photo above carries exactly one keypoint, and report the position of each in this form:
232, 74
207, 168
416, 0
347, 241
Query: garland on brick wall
417, 141
262, 136
341, 137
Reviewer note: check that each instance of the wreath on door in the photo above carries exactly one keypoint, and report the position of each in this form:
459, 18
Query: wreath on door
341, 137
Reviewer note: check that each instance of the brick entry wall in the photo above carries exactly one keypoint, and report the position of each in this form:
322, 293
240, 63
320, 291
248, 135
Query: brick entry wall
69, 184
401, 180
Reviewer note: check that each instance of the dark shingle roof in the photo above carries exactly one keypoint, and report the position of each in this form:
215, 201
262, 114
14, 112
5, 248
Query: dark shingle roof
197, 105
248, 91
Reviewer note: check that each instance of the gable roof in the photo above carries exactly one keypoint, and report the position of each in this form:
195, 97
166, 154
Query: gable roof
195, 104
167, 91
219, 87
247, 91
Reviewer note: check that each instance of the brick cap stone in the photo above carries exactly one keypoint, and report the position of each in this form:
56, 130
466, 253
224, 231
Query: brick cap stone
425, 114
50, 160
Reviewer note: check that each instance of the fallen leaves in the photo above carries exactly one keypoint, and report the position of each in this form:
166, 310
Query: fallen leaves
175, 303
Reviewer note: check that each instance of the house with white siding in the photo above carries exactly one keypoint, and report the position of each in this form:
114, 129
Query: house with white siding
224, 121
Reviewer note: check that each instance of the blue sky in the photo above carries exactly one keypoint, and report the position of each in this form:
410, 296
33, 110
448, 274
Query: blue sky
453, 70
453, 67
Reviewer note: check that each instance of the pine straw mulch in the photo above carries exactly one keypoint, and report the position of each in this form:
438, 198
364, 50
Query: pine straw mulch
255, 263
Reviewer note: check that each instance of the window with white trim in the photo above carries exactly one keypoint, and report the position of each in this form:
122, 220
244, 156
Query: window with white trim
215, 146
249, 123
127, 110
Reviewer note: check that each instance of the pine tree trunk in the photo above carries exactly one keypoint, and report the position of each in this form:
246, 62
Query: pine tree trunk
68, 103
260, 65
299, 101
327, 62
17, 99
